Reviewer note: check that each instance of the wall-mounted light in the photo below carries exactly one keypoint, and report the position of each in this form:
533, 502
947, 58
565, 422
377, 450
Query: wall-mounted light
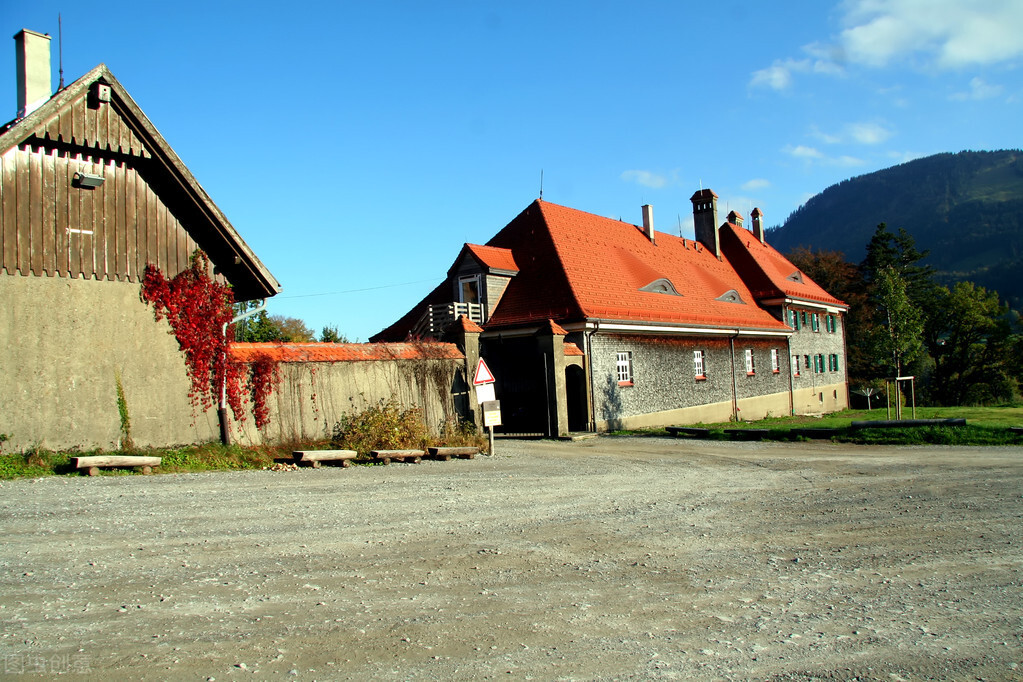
87, 180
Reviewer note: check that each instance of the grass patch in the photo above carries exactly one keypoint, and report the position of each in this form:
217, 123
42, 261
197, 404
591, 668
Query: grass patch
985, 426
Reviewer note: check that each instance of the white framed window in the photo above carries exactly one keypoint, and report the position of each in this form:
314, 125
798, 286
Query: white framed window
750, 366
775, 361
831, 324
623, 368
469, 289
795, 365
698, 366
794, 320
815, 322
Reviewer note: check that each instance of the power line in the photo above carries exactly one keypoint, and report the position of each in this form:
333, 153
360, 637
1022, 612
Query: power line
354, 291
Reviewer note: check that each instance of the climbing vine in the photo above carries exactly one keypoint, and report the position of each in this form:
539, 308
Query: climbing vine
197, 308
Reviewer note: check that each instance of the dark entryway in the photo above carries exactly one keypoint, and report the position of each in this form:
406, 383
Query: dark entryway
575, 393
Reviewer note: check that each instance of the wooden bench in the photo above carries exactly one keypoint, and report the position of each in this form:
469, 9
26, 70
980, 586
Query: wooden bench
747, 434
1016, 429
677, 431
387, 456
907, 423
94, 463
316, 457
446, 453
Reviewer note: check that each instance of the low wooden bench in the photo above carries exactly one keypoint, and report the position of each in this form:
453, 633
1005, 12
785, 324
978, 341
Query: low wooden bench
387, 456
677, 431
1016, 429
446, 453
747, 434
316, 457
907, 423
94, 463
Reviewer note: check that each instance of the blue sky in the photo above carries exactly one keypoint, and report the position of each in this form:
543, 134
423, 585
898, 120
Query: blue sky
356, 145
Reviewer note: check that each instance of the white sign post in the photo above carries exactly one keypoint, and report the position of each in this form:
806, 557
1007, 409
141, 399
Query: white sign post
486, 396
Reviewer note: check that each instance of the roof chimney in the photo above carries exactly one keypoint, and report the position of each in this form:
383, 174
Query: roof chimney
33, 57
735, 218
705, 220
648, 222
758, 224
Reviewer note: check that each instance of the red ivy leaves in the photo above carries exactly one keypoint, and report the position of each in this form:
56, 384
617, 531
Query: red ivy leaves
197, 308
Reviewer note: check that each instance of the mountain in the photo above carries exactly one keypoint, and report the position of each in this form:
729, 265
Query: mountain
966, 208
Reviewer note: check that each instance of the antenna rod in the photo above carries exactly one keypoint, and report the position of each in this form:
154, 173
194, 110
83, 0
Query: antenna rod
60, 48
541, 183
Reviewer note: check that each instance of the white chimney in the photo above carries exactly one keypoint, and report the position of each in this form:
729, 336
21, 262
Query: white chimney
648, 222
33, 57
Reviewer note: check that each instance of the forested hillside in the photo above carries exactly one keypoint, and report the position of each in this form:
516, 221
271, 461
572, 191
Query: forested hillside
965, 208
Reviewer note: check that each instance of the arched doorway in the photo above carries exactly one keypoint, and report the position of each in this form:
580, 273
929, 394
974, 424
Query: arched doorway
575, 396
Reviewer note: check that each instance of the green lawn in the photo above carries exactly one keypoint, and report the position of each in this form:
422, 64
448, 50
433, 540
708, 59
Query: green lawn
1002, 417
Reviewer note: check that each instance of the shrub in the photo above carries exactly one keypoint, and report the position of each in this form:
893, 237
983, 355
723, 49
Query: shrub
386, 426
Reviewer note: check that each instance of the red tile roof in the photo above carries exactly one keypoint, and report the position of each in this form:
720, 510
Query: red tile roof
768, 272
573, 349
493, 257
343, 352
577, 266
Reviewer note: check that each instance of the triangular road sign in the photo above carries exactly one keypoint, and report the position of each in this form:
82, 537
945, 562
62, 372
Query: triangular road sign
483, 375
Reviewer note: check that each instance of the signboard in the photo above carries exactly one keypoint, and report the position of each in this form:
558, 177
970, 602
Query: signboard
492, 413
483, 374
485, 393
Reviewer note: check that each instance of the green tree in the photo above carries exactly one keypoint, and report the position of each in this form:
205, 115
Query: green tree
897, 337
265, 328
969, 335
330, 334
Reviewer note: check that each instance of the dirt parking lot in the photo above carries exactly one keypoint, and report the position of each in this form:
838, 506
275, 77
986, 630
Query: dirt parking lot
612, 558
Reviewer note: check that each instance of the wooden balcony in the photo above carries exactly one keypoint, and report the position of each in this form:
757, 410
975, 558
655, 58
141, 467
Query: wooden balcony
437, 317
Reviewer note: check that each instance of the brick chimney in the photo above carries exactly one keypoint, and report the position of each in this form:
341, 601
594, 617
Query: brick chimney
735, 218
648, 222
33, 58
705, 220
758, 224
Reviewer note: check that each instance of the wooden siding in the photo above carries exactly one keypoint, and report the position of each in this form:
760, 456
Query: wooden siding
48, 226
93, 126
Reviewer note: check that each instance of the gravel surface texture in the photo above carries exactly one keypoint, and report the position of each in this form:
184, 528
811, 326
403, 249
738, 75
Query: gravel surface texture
610, 558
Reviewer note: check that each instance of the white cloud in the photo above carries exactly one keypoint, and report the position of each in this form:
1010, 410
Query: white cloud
942, 33
813, 155
854, 133
932, 34
979, 89
645, 178
755, 184
802, 152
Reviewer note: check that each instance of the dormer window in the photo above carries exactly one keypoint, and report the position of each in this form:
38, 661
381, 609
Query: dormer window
731, 296
661, 286
469, 289
796, 276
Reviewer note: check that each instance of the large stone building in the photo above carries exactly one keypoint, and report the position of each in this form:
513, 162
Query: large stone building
90, 193
590, 323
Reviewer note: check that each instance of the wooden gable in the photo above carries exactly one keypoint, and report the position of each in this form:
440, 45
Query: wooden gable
148, 208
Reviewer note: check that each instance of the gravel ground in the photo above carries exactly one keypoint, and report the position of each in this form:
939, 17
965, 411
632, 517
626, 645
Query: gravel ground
612, 558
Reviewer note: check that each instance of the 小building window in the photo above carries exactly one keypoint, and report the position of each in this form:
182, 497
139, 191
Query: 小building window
794, 319
698, 366
623, 367
750, 366
795, 365
775, 361
832, 323
469, 289
815, 321
833, 362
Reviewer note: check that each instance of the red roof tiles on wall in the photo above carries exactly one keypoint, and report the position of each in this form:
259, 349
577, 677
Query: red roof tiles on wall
343, 352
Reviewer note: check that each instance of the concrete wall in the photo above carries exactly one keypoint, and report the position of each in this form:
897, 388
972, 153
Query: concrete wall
64, 342
313, 396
